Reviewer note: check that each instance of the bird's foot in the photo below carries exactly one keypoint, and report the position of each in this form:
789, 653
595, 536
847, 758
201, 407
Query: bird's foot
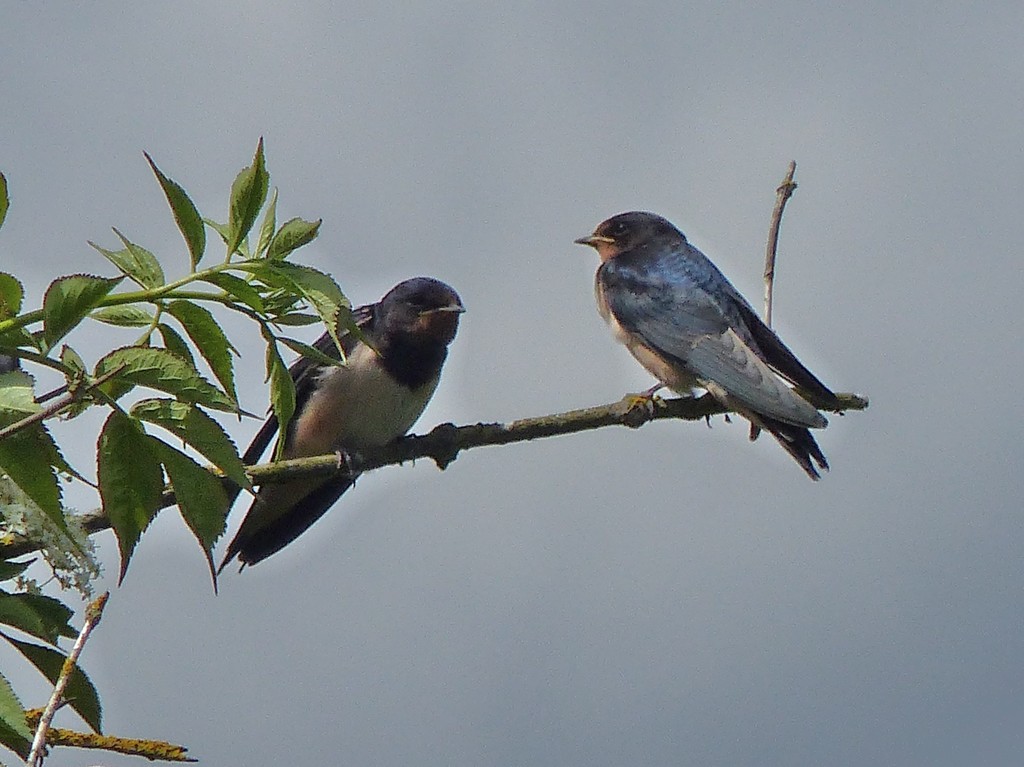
639, 408
343, 460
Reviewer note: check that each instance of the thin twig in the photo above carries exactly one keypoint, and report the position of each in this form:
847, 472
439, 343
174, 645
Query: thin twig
443, 444
54, 408
93, 613
782, 194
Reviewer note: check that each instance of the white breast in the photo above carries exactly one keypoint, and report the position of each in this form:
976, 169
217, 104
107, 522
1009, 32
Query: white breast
357, 405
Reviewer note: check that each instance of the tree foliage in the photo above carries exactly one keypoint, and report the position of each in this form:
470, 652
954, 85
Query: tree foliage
160, 394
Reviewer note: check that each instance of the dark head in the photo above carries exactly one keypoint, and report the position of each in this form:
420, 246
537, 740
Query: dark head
635, 230
422, 308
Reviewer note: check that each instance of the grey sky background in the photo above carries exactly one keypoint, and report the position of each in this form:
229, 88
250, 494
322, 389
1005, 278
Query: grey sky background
674, 595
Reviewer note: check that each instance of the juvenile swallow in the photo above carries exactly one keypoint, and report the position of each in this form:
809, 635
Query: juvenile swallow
387, 380
685, 322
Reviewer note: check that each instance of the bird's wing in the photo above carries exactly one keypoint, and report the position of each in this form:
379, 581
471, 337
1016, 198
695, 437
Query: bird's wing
668, 309
304, 372
782, 360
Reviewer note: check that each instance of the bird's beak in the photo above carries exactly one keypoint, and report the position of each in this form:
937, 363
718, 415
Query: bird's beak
593, 240
455, 308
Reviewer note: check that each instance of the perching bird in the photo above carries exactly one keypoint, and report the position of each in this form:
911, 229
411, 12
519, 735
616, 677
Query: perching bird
685, 322
374, 398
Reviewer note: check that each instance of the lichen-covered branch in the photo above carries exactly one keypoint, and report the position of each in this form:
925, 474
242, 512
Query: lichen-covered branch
154, 750
444, 443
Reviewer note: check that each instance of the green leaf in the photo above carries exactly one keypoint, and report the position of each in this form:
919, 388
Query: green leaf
311, 352
17, 396
72, 360
248, 193
319, 290
209, 339
296, 319
9, 569
291, 236
11, 294
41, 616
130, 479
28, 457
269, 224
16, 338
68, 300
80, 694
125, 316
282, 388
164, 371
139, 264
197, 429
190, 223
173, 342
222, 229
201, 498
5, 201
238, 289
14, 732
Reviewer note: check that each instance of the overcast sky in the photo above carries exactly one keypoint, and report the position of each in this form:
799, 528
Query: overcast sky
672, 595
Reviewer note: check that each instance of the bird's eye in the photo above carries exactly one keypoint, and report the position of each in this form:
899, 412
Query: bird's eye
618, 229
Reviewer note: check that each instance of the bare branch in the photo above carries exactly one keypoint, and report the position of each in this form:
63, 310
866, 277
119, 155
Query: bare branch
782, 195
444, 442
93, 613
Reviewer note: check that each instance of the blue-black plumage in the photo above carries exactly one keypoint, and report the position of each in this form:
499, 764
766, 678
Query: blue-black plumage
387, 380
685, 322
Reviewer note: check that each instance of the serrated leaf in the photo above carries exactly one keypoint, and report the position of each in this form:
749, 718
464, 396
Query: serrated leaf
209, 339
41, 616
292, 235
319, 290
5, 201
130, 480
311, 352
12, 292
80, 694
282, 388
238, 289
187, 217
140, 265
269, 225
17, 396
164, 371
201, 497
222, 229
14, 732
248, 193
173, 342
197, 429
69, 299
28, 457
72, 360
126, 316
296, 319
9, 569
16, 338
